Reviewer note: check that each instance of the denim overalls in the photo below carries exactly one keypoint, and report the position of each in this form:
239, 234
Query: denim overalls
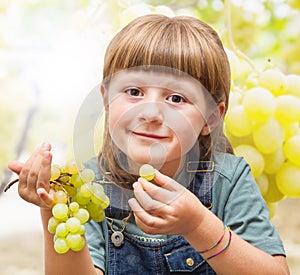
173, 255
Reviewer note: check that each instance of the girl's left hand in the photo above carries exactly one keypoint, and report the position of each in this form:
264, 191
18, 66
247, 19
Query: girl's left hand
165, 208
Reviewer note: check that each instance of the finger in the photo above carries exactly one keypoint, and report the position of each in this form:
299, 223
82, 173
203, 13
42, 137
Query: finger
167, 182
143, 218
35, 167
26, 170
146, 202
15, 166
45, 171
155, 192
46, 198
147, 229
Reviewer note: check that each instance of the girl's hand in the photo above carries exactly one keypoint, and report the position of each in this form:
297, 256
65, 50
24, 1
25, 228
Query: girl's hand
34, 177
166, 208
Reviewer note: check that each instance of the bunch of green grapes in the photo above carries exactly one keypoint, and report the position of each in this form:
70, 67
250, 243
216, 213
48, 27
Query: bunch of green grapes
77, 199
262, 124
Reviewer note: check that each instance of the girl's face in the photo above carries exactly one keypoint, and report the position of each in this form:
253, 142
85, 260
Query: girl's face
155, 117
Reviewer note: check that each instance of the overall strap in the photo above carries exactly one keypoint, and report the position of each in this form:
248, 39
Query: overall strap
201, 180
118, 196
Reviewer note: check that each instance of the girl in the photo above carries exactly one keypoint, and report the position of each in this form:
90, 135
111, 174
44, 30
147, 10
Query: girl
165, 88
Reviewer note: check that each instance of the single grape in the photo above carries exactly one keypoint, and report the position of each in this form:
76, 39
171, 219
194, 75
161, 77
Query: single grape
291, 149
52, 224
87, 175
274, 161
73, 224
79, 246
287, 179
287, 109
86, 190
99, 217
60, 197
273, 80
94, 186
147, 172
80, 199
259, 104
293, 85
82, 229
60, 211
268, 137
105, 203
61, 246
93, 208
74, 206
82, 215
237, 122
74, 241
98, 196
253, 157
61, 230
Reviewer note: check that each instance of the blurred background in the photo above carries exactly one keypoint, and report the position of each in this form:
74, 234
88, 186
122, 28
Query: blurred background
51, 56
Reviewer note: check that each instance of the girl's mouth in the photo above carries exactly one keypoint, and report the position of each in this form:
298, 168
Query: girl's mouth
149, 135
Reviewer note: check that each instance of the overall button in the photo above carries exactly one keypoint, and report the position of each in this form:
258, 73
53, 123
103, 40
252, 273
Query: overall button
189, 261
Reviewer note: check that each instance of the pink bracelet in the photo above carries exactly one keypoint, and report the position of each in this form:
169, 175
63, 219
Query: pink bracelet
224, 248
216, 243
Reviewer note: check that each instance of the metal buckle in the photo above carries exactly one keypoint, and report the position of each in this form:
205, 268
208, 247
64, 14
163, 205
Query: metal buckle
212, 166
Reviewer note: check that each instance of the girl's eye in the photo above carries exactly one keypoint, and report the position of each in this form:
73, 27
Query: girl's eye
176, 99
133, 92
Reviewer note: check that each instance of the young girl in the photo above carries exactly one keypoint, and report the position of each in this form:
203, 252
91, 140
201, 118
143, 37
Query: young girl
165, 88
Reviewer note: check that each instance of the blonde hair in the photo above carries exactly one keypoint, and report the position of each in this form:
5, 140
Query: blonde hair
182, 43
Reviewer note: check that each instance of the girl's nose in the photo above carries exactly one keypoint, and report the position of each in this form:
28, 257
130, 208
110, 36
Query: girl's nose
151, 112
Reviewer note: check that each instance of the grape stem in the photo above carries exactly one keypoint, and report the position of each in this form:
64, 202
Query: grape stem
61, 183
10, 184
232, 45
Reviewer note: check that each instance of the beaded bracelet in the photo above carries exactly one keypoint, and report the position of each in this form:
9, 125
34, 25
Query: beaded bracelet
224, 248
216, 243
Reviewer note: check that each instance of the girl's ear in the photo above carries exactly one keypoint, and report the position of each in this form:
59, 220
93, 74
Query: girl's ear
213, 119
104, 97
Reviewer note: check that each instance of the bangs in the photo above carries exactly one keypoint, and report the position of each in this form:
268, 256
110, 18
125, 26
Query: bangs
161, 43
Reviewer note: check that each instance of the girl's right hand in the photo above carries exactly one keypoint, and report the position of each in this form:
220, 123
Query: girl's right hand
34, 177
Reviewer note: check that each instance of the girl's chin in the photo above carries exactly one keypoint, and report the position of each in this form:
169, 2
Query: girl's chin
139, 160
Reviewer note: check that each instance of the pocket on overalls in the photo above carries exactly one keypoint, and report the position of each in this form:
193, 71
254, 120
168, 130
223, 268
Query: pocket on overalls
187, 260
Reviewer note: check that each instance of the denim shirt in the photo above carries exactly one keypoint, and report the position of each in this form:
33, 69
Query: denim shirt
173, 255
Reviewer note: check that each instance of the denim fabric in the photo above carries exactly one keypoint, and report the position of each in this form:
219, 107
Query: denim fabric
172, 256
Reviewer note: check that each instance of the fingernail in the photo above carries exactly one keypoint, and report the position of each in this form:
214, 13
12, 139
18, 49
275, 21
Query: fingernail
134, 185
130, 200
45, 144
47, 155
